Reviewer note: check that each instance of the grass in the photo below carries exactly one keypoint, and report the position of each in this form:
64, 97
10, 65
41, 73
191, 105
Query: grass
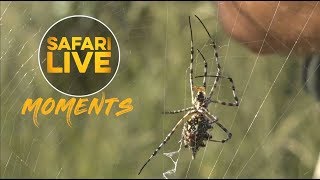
282, 142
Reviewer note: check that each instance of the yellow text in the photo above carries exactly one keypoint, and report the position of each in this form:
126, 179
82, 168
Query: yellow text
76, 107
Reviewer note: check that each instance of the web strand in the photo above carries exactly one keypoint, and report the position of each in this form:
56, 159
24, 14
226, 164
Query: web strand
247, 84
165, 75
256, 115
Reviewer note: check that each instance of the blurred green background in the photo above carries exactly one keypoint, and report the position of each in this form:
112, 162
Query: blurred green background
282, 141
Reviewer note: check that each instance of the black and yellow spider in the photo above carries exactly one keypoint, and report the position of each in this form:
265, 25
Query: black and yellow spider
196, 129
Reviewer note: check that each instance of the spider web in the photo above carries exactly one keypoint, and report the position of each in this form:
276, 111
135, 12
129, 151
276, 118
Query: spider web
26, 150
274, 128
262, 103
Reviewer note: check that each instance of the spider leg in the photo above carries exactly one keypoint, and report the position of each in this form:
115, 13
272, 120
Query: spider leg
205, 70
165, 140
213, 44
236, 102
226, 131
179, 111
191, 63
215, 120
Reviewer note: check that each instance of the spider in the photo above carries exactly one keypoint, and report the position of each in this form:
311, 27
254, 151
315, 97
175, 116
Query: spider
196, 129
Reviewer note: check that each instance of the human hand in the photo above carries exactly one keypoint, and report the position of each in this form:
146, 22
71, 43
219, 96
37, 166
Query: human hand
248, 23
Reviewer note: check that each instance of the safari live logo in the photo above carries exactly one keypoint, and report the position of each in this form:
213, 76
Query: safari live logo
83, 49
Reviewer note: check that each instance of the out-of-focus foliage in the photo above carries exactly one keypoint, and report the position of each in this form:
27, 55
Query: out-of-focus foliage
155, 53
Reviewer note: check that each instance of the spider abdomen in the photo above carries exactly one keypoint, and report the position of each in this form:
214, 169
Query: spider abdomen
195, 133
